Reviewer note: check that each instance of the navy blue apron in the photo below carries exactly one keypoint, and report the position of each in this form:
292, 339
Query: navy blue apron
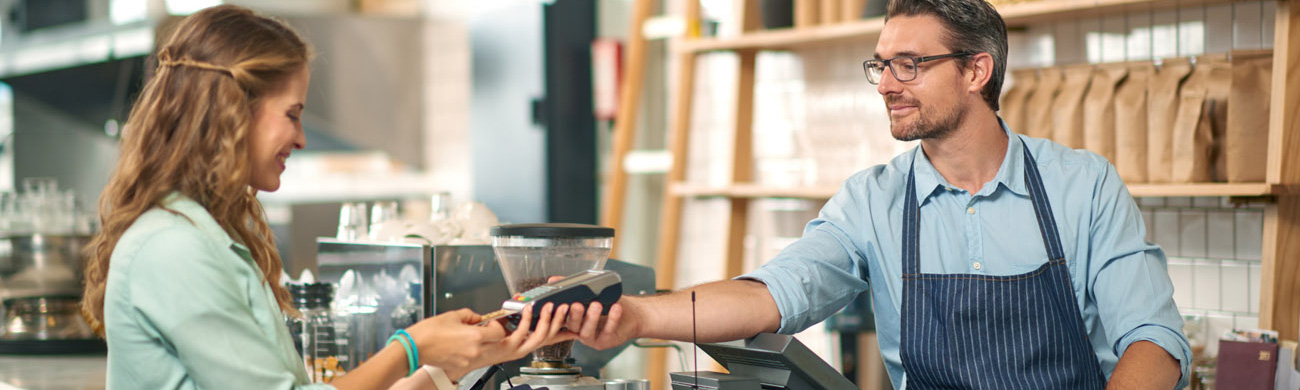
971, 331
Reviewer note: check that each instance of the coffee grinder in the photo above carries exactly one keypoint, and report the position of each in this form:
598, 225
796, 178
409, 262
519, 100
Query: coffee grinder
529, 255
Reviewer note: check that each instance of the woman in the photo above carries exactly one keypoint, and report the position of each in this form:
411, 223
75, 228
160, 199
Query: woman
183, 279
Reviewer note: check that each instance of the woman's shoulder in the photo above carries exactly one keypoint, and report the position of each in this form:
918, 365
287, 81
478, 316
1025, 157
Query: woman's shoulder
162, 233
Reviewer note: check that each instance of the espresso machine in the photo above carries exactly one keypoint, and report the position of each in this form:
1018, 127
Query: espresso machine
376, 283
42, 236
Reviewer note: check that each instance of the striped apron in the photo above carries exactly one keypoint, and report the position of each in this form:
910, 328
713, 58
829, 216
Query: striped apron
971, 331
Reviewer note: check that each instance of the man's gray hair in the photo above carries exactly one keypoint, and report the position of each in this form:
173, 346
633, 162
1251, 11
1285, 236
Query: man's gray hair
973, 26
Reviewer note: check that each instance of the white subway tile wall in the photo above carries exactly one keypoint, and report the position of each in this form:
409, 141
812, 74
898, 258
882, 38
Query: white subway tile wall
1234, 281
1221, 241
1250, 234
1216, 324
1191, 235
1167, 231
1214, 250
1255, 280
1207, 293
1180, 272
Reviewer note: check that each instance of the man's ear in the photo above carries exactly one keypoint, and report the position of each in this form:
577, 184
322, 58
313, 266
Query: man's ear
979, 72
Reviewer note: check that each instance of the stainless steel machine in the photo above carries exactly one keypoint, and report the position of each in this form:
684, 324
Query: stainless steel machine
383, 286
40, 294
529, 255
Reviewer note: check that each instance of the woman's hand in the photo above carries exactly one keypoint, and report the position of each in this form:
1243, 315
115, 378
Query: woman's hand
522, 341
452, 341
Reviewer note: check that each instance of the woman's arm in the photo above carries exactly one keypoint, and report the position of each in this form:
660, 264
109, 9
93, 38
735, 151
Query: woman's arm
453, 342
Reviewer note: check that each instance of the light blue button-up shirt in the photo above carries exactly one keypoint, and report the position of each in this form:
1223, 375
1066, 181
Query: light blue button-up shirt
1120, 281
187, 308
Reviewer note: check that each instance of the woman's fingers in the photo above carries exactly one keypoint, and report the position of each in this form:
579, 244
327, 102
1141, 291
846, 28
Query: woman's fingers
547, 325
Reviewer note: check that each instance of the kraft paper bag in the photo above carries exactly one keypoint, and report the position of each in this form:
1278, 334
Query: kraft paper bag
1067, 107
1013, 102
1131, 123
1193, 137
1215, 114
1162, 111
1244, 154
1099, 110
1038, 111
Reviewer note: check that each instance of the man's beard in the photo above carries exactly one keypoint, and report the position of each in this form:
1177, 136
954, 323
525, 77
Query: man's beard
926, 125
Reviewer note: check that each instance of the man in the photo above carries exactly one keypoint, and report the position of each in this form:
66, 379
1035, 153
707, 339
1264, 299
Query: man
995, 261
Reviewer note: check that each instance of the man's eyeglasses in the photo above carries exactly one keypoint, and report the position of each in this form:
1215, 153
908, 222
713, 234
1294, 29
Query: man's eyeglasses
903, 67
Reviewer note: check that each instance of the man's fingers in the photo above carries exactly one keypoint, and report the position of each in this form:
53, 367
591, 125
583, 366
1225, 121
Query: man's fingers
576, 317
557, 321
592, 322
612, 321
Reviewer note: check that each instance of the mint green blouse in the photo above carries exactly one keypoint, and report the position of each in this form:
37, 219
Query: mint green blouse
187, 308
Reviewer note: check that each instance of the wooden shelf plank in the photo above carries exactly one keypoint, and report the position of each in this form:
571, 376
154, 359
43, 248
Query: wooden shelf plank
752, 191
1015, 15
825, 192
1204, 189
787, 38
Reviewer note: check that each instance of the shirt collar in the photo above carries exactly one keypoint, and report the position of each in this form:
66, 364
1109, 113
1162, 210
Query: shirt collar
1011, 174
201, 218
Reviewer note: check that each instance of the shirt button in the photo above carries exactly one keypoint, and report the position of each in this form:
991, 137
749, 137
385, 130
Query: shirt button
970, 210
977, 265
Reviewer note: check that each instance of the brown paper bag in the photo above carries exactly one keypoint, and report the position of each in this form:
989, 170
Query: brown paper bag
1218, 90
1131, 123
1099, 110
1067, 107
1038, 112
1245, 157
1193, 136
1013, 102
1162, 111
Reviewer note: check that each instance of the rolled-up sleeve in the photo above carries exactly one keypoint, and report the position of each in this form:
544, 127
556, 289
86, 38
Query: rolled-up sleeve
1130, 278
820, 273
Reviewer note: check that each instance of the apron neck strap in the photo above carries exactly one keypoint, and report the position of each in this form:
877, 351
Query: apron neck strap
1037, 194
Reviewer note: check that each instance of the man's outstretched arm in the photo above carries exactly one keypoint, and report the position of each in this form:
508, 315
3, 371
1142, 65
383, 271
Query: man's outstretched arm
724, 310
1145, 365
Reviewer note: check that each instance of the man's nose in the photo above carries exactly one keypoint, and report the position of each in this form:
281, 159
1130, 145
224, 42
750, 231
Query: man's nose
888, 84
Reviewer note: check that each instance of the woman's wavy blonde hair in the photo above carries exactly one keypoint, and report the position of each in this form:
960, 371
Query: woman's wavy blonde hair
189, 132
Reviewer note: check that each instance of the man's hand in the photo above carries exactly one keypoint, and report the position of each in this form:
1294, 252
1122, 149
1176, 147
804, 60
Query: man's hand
616, 328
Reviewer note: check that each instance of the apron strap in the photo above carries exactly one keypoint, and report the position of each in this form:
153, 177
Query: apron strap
1037, 195
1042, 208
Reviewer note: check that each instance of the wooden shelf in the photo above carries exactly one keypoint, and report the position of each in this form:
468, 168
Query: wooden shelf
787, 38
752, 191
1207, 189
1015, 15
1137, 190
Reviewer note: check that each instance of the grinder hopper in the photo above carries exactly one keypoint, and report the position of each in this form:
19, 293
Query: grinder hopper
530, 254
